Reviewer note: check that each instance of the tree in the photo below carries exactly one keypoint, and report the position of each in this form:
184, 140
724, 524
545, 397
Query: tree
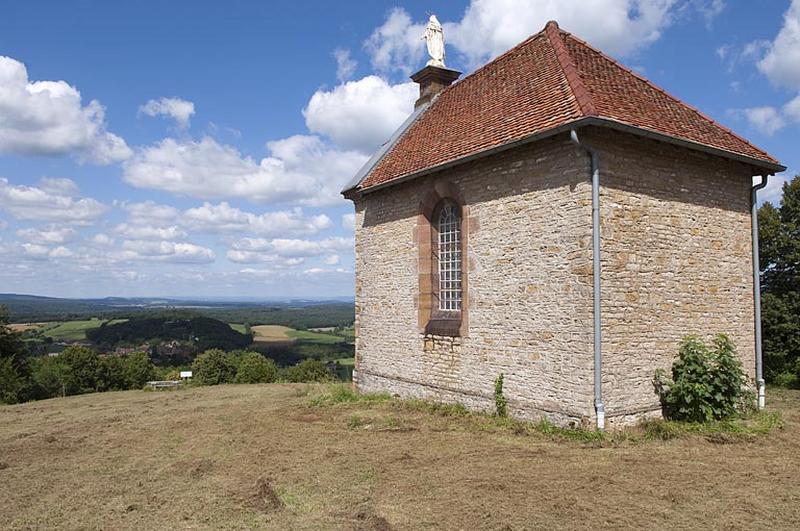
255, 368
14, 371
49, 377
111, 374
214, 367
83, 366
779, 247
138, 370
309, 371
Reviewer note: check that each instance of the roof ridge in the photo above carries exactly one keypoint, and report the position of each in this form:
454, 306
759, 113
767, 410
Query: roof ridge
665, 93
579, 91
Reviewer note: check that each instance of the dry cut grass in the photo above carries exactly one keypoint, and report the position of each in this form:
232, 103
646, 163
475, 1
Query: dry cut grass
284, 456
271, 334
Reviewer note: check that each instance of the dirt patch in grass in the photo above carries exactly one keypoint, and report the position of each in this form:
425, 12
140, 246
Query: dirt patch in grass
23, 327
271, 334
244, 457
264, 497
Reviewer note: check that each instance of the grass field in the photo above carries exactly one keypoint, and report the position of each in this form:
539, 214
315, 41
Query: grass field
242, 329
73, 330
24, 327
243, 457
283, 334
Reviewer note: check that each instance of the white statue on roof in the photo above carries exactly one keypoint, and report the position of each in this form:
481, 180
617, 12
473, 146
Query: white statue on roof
434, 37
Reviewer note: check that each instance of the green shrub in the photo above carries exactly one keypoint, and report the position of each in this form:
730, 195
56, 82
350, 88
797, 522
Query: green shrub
111, 374
255, 368
309, 371
214, 367
138, 370
83, 366
12, 384
707, 384
500, 402
49, 377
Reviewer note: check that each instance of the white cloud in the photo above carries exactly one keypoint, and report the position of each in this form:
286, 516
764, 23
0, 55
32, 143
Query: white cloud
766, 119
361, 114
781, 64
345, 65
147, 232
331, 259
792, 109
250, 257
396, 45
710, 10
291, 247
300, 169
102, 240
48, 203
774, 189
60, 252
322, 271
41, 252
225, 218
149, 212
48, 236
619, 27
769, 120
490, 27
48, 118
165, 251
179, 110
349, 221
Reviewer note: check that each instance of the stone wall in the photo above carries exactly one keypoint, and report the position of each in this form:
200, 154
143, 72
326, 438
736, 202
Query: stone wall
675, 258
530, 311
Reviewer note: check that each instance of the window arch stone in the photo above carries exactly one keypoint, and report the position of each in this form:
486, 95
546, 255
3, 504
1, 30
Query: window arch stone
437, 279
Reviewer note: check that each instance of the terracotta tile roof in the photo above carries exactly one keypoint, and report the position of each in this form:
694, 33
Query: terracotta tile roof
549, 80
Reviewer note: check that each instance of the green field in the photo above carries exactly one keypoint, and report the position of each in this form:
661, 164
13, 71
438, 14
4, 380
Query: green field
242, 329
74, 330
314, 337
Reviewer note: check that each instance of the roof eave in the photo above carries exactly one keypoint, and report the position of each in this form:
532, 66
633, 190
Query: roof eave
351, 188
769, 167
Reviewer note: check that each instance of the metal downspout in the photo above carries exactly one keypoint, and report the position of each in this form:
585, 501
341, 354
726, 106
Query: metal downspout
757, 290
598, 375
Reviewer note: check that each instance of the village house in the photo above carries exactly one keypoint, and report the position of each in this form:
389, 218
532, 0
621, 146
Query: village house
557, 218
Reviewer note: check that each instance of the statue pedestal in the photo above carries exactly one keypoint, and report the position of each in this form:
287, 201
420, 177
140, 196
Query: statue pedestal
432, 80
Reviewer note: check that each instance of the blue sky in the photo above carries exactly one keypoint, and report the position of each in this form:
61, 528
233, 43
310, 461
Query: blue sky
197, 148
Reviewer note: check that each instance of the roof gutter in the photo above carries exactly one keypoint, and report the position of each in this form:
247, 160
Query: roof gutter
598, 354
577, 124
757, 289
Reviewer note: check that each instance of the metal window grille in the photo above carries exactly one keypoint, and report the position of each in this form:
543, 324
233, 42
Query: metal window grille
449, 258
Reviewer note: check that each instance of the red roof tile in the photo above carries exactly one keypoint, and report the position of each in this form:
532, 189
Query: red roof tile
549, 80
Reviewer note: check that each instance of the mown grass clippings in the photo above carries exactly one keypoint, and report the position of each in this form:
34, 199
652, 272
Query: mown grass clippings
377, 423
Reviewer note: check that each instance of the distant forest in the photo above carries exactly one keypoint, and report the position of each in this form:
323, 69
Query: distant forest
300, 315
202, 332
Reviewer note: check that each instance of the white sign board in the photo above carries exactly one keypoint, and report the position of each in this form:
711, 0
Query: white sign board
186, 374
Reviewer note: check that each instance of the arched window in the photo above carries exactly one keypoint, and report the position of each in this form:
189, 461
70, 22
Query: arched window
449, 261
